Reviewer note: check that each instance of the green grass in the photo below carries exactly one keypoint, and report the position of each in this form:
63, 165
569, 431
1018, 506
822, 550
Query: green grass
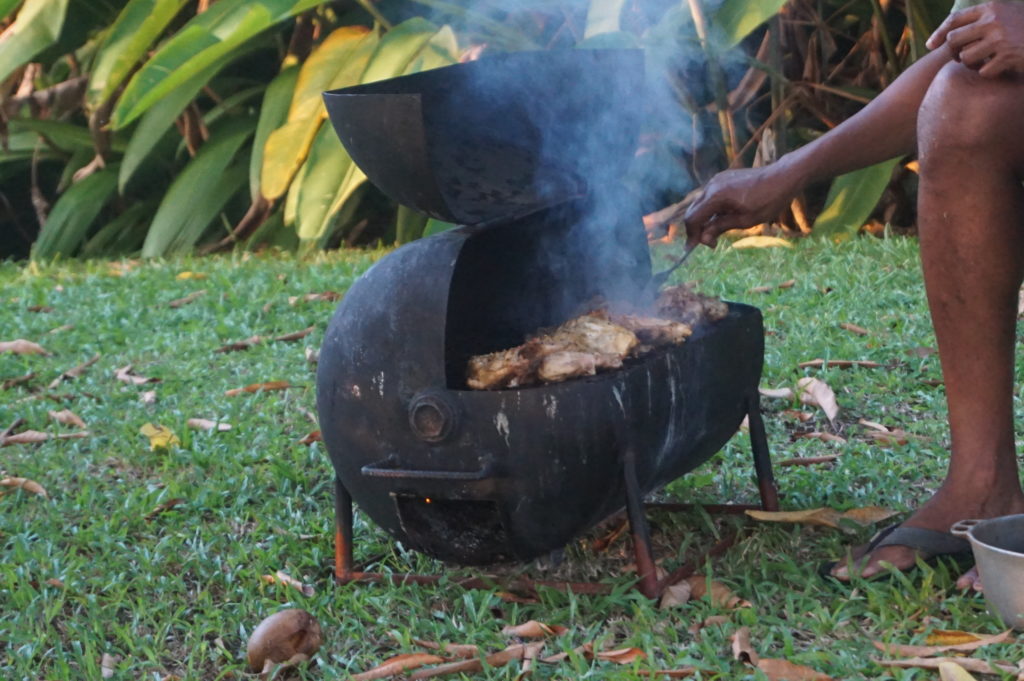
180, 593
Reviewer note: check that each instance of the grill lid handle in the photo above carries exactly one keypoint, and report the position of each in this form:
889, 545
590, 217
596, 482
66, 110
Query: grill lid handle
386, 469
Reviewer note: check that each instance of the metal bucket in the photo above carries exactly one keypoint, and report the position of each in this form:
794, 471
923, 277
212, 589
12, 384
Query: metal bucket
998, 546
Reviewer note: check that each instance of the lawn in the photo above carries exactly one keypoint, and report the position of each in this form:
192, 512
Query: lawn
157, 557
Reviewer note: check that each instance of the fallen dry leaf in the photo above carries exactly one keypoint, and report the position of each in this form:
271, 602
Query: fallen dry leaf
281, 637
816, 393
159, 436
17, 380
761, 242
742, 649
499, 659
39, 308
237, 346
712, 621
75, 372
108, 665
296, 335
839, 364
312, 355
968, 663
529, 657
808, 460
55, 583
824, 437
766, 289
675, 595
257, 387
281, 577
24, 483
313, 436
944, 637
960, 645
67, 418
163, 507
922, 352
190, 298
189, 275
399, 664
951, 671
28, 437
683, 673
126, 375
533, 629
23, 347
777, 394
329, 296
618, 656
826, 517
450, 649
720, 595
853, 328
60, 329
797, 415
147, 397
784, 670
207, 424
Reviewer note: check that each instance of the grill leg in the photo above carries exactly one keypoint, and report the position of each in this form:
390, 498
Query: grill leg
645, 569
342, 532
762, 458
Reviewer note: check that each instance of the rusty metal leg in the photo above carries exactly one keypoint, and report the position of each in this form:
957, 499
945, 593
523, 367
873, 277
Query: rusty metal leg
342, 532
645, 570
762, 457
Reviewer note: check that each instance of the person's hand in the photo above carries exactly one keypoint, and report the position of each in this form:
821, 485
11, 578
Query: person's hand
987, 38
737, 199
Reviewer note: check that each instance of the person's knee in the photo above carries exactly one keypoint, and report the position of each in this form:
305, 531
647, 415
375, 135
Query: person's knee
963, 110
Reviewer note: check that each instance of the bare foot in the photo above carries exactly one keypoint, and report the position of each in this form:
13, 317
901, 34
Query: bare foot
939, 513
970, 580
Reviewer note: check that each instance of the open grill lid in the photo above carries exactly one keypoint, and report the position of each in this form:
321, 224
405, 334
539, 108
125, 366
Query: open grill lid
497, 138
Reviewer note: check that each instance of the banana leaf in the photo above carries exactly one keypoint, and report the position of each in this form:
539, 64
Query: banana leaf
37, 26
73, 214
215, 34
409, 225
199, 192
736, 19
66, 137
124, 233
851, 198
138, 25
273, 112
7, 7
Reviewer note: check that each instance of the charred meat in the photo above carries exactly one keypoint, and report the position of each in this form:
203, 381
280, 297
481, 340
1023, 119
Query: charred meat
683, 304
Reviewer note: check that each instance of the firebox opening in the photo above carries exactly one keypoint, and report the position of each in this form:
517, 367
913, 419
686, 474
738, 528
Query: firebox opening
456, 530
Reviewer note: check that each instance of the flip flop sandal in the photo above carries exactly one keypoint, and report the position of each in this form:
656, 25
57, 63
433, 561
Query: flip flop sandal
928, 544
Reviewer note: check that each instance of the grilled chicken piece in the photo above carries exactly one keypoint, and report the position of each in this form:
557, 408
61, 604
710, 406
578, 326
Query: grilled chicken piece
653, 331
683, 304
503, 369
593, 333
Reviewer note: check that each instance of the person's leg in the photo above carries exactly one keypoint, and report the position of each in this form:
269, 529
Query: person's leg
971, 226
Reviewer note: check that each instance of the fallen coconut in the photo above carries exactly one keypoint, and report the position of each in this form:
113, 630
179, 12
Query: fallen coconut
286, 637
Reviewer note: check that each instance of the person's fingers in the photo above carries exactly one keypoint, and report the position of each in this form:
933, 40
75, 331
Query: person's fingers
702, 211
975, 55
995, 67
959, 38
953, 21
723, 223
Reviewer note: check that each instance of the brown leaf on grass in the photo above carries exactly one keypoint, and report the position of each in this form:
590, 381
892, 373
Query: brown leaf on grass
257, 387
951, 671
712, 621
817, 435
618, 656
23, 347
237, 346
853, 328
742, 649
499, 659
826, 517
311, 437
922, 352
399, 664
296, 335
960, 645
797, 415
17, 380
969, 663
75, 372
808, 460
39, 308
126, 375
534, 629
784, 670
60, 329
777, 393
30, 486
683, 673
207, 424
160, 437
530, 655
767, 289
28, 437
816, 393
163, 507
55, 583
675, 595
281, 577
147, 397
943, 637
720, 595
886, 435
329, 296
67, 418
449, 649
190, 298
839, 364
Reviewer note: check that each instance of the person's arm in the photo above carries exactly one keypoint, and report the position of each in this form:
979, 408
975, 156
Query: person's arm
883, 129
